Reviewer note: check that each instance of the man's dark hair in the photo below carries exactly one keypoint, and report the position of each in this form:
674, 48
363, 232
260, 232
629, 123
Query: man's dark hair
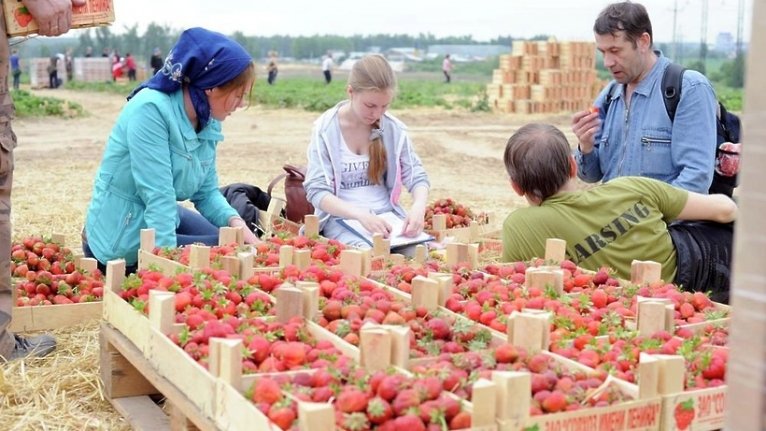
629, 17
537, 160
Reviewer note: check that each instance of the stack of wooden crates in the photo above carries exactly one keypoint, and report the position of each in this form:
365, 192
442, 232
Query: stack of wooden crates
97, 69
545, 77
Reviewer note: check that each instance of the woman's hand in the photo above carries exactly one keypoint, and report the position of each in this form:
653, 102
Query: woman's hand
248, 235
414, 223
375, 224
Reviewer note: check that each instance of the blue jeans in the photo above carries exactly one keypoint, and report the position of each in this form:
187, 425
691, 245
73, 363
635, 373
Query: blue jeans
195, 229
192, 229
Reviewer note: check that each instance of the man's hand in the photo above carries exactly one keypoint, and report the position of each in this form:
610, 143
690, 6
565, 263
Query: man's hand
53, 17
585, 124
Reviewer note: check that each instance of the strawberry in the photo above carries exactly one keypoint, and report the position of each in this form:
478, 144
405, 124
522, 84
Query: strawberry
389, 387
506, 353
404, 400
686, 310
684, 414
379, 410
266, 390
461, 421
409, 422
555, 402
355, 422
599, 298
351, 400
282, 416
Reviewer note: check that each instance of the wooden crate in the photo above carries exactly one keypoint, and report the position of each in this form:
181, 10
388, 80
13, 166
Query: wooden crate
95, 69
18, 20
50, 317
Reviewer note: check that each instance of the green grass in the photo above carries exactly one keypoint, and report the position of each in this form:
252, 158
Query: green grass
313, 95
29, 105
123, 88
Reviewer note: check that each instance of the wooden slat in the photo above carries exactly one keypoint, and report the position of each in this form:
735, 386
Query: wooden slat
165, 387
141, 413
50, 317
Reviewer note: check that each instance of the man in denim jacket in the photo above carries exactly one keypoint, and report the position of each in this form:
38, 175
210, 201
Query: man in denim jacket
636, 137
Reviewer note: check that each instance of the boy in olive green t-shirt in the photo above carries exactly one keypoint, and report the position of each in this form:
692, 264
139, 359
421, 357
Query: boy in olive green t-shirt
614, 223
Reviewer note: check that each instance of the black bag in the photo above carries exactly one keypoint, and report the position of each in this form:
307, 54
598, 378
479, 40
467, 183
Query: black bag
728, 126
297, 205
247, 200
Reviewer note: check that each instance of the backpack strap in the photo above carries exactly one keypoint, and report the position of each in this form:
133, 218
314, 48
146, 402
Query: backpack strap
608, 98
724, 129
672, 82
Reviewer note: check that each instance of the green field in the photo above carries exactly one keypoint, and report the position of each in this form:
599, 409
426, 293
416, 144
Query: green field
303, 88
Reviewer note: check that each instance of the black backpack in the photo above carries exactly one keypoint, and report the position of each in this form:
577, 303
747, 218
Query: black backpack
728, 125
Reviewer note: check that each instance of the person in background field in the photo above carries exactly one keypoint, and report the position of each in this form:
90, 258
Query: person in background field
130, 64
54, 17
117, 66
156, 61
272, 68
636, 137
105, 52
327, 64
68, 66
360, 158
15, 68
53, 72
162, 150
616, 222
447, 69
89, 52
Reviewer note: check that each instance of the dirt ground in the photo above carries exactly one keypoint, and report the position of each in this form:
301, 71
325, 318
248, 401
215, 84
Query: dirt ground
56, 159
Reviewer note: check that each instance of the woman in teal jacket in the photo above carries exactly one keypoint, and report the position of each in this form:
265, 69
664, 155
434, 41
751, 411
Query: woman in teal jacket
162, 150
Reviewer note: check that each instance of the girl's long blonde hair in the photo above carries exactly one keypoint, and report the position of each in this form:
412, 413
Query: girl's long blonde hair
373, 73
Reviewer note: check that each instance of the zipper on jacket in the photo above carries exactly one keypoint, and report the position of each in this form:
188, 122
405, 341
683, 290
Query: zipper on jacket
646, 140
121, 233
625, 149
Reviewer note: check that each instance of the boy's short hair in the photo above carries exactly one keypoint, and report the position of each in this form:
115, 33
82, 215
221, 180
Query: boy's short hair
627, 17
537, 160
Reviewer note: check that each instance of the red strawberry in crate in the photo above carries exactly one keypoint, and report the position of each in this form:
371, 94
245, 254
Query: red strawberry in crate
684, 414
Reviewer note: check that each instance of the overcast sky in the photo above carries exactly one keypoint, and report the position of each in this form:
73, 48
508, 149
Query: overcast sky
482, 19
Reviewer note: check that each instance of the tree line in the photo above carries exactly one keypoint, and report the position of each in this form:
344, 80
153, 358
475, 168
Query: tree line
141, 45
159, 36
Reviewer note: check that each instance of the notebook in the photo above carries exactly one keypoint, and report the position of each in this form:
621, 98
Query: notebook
397, 238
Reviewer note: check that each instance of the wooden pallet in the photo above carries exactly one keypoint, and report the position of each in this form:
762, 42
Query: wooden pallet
129, 379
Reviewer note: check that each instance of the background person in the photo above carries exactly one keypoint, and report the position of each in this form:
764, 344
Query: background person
360, 158
15, 68
54, 17
53, 71
162, 150
617, 222
636, 137
68, 65
447, 69
272, 68
156, 61
327, 64
130, 64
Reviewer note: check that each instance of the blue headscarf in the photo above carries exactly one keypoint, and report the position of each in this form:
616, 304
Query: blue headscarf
202, 59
